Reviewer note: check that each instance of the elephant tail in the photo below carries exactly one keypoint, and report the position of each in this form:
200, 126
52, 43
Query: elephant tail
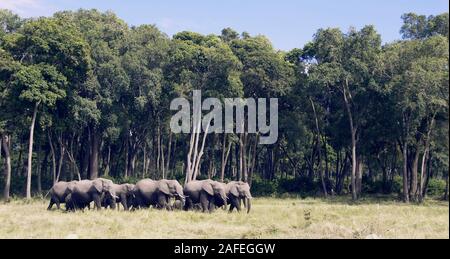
49, 191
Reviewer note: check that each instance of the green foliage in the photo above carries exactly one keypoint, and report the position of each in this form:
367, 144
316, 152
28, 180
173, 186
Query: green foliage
421, 27
261, 187
39, 84
436, 188
102, 91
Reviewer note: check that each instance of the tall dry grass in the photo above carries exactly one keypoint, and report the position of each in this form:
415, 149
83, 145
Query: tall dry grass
270, 218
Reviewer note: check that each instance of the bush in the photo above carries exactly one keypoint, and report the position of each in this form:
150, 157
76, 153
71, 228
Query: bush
301, 185
436, 187
262, 187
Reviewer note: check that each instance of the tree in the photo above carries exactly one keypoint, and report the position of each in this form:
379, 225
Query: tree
348, 63
417, 27
203, 63
420, 87
7, 69
38, 85
9, 22
50, 53
96, 99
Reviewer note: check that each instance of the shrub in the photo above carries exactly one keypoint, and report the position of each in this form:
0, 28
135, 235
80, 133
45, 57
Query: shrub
262, 187
436, 187
301, 185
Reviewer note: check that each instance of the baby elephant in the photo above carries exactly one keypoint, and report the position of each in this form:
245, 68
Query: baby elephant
124, 195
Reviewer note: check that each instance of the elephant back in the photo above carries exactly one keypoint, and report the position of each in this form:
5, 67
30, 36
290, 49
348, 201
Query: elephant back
146, 187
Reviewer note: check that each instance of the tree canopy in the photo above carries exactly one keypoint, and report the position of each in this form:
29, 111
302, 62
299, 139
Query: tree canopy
87, 96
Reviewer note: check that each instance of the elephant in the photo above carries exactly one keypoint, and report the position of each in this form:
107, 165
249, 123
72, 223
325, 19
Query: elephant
237, 192
208, 193
125, 194
87, 191
158, 193
60, 193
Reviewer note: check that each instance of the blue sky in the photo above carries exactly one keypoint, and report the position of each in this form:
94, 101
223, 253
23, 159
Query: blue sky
288, 23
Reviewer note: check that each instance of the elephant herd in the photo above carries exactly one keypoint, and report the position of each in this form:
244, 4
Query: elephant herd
206, 195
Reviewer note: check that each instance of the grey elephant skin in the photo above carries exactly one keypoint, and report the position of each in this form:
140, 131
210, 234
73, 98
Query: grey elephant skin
157, 193
88, 191
237, 192
125, 196
208, 193
61, 193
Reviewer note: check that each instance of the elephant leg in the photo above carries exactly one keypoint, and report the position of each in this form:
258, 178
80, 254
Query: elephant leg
231, 208
204, 201
124, 201
97, 202
238, 204
212, 205
188, 205
58, 204
50, 205
138, 201
168, 207
162, 201
234, 203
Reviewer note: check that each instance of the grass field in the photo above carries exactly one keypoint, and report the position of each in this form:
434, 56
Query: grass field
270, 218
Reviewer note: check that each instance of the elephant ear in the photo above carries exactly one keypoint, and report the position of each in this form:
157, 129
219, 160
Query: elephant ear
164, 188
234, 190
98, 185
207, 187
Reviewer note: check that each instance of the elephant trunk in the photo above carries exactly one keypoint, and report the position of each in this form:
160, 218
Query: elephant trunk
248, 204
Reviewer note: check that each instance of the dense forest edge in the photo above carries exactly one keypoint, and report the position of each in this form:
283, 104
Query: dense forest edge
84, 95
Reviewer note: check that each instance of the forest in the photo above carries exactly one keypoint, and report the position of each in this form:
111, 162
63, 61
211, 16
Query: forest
85, 95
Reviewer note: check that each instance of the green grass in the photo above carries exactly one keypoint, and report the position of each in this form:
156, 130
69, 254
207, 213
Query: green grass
270, 218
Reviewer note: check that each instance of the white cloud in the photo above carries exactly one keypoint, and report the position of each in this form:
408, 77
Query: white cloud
172, 26
27, 8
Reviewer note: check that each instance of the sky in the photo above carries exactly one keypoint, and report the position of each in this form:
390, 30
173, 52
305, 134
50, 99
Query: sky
288, 23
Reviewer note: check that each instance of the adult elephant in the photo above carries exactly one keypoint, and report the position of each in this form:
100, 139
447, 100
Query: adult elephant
158, 193
60, 193
237, 192
125, 196
207, 193
87, 191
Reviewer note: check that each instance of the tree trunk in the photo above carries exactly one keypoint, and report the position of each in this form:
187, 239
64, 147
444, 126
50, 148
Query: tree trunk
319, 147
405, 173
38, 170
169, 152
144, 158
30, 150
93, 161
414, 175
6, 146
108, 162
158, 143
200, 154
52, 149
252, 168
62, 152
163, 165
359, 174
426, 153
225, 155
353, 134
